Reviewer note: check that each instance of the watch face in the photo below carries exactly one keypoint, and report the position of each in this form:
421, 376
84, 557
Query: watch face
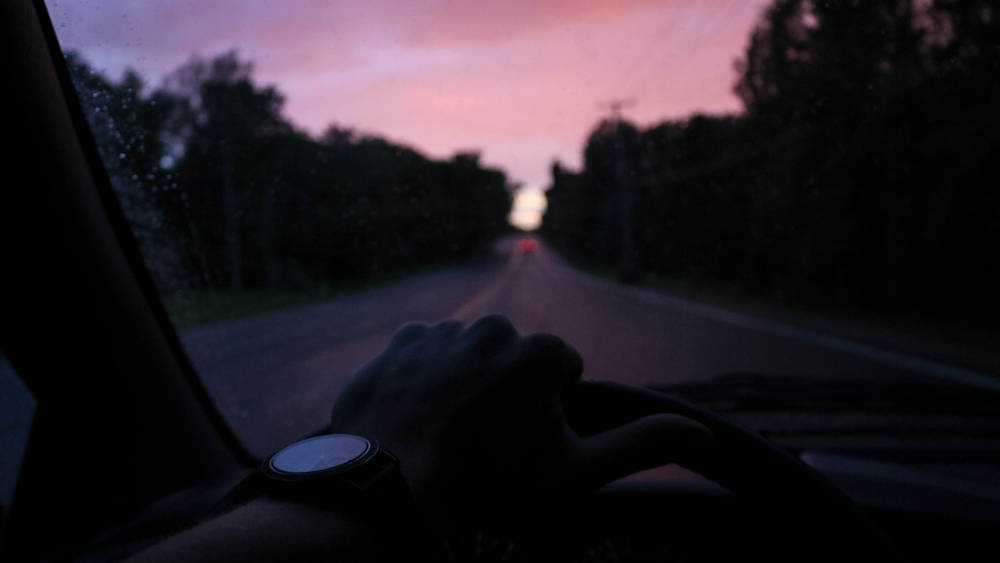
320, 454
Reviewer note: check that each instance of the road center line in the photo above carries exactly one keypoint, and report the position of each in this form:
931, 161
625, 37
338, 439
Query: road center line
477, 302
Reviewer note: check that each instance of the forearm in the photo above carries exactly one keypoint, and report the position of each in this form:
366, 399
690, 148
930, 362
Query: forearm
266, 530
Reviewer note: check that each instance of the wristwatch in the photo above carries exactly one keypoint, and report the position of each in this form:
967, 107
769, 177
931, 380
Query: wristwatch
347, 472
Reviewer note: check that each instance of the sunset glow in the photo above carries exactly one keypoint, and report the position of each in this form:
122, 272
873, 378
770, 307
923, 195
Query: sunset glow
529, 206
521, 81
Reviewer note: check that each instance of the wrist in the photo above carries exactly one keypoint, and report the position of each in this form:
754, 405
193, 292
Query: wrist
266, 530
307, 528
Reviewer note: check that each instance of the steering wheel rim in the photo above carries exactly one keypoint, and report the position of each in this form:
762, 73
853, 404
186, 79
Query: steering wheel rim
825, 522
822, 522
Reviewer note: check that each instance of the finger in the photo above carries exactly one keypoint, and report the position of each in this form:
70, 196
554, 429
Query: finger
546, 355
447, 327
410, 332
649, 442
491, 332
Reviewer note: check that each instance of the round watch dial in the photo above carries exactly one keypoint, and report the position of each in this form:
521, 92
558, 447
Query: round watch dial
319, 454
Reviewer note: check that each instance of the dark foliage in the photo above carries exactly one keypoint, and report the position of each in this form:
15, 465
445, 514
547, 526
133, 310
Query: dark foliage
861, 177
223, 192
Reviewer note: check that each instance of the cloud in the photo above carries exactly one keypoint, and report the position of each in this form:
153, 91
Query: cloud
520, 80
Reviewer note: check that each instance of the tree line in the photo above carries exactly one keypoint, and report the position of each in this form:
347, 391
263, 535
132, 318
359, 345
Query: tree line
862, 175
222, 191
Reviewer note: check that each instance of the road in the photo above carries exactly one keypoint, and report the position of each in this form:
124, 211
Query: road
275, 376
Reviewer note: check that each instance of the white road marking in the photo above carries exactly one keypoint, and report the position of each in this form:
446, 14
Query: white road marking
929, 367
473, 306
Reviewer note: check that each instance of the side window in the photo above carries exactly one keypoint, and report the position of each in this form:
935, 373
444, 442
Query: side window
17, 410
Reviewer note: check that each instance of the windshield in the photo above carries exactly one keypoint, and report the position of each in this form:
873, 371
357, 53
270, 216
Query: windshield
786, 210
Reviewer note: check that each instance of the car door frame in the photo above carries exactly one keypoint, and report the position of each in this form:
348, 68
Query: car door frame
122, 417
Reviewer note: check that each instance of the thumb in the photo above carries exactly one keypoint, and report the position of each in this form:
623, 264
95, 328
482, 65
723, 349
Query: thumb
648, 442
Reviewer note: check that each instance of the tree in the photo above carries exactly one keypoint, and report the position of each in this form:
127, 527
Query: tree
860, 177
224, 122
873, 189
126, 124
247, 201
592, 214
809, 60
684, 190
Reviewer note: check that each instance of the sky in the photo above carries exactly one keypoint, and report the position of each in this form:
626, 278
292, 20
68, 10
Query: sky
523, 82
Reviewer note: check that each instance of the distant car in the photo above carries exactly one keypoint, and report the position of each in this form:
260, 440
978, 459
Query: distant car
527, 245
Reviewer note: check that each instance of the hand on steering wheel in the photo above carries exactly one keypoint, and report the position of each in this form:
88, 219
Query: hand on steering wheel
475, 416
478, 418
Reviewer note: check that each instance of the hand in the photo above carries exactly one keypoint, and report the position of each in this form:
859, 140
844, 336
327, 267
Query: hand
475, 417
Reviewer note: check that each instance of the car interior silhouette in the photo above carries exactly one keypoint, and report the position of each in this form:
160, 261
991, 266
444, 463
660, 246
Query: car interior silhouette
127, 445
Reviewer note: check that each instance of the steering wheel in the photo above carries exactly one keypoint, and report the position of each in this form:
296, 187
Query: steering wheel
816, 519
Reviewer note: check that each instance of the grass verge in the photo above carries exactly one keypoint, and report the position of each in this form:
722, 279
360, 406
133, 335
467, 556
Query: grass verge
193, 308
735, 297
198, 307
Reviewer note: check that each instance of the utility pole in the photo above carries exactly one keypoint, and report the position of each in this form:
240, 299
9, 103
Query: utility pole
627, 267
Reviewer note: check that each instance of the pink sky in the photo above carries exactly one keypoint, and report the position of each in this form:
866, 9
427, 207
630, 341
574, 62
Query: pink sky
519, 80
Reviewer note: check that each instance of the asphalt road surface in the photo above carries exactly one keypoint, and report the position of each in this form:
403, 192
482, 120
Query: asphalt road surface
275, 376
